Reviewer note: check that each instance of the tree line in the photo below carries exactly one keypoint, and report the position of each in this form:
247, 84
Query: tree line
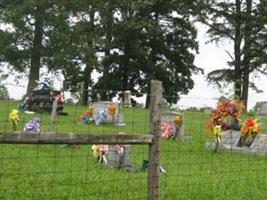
131, 42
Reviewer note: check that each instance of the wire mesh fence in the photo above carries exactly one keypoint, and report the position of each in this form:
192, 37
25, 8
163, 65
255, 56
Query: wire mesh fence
74, 170
189, 166
197, 170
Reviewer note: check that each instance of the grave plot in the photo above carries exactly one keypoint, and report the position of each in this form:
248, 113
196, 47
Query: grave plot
230, 141
228, 132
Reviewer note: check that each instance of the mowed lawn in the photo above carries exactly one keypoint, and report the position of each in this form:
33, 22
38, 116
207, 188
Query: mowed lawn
193, 171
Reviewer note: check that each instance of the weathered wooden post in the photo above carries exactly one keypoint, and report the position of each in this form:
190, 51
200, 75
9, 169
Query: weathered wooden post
154, 148
53, 116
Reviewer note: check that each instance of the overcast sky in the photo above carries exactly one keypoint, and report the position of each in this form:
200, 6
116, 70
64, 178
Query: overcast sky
210, 57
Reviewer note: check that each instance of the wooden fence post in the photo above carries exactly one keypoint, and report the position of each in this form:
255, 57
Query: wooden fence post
53, 117
154, 148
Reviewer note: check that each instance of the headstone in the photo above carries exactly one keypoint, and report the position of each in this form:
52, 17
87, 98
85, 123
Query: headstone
261, 108
230, 138
127, 99
230, 142
178, 131
117, 159
103, 106
259, 144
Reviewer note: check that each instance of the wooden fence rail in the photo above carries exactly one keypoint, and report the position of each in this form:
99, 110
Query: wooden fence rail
48, 138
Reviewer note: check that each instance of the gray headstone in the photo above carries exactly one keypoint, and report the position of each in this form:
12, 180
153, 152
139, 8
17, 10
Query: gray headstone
115, 159
230, 141
103, 105
230, 138
178, 131
261, 108
259, 144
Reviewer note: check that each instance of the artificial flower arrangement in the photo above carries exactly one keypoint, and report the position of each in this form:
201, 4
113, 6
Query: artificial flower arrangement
249, 130
227, 115
112, 111
224, 117
178, 120
14, 118
87, 117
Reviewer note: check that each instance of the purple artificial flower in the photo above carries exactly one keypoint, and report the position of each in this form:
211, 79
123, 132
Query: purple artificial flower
33, 126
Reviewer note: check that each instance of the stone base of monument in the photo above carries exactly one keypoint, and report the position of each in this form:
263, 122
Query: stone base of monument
230, 142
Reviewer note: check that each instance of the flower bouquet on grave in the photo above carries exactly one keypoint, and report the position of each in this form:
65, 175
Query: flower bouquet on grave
226, 114
87, 117
224, 117
248, 132
112, 111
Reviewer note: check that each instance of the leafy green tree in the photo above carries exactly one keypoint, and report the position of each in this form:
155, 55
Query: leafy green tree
150, 40
244, 24
81, 52
27, 42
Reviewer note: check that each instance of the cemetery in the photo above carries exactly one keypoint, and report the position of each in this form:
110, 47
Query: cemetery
182, 129
133, 100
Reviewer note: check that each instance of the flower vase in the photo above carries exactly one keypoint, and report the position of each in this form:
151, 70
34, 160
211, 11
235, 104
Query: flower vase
246, 140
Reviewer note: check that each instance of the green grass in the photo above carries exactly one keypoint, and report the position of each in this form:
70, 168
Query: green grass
193, 171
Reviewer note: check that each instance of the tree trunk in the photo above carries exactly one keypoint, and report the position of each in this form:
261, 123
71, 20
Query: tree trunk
247, 56
36, 52
88, 60
237, 51
86, 80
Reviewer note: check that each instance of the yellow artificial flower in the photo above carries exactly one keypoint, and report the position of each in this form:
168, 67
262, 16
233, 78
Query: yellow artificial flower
96, 152
14, 117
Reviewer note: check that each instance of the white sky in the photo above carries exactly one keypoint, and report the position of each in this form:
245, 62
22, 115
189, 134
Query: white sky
210, 57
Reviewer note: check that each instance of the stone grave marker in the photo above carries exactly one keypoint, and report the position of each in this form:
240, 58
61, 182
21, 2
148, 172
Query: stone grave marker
178, 131
261, 108
230, 142
119, 160
127, 99
230, 138
104, 105
259, 144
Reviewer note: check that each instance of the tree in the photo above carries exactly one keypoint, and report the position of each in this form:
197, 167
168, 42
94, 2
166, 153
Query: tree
80, 52
161, 46
244, 24
27, 41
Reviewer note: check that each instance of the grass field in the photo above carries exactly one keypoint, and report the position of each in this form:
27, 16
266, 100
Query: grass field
193, 171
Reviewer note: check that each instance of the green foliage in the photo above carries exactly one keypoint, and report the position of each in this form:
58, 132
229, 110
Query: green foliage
29, 27
244, 24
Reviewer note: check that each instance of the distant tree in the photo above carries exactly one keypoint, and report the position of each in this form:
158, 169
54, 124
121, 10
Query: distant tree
144, 41
27, 42
243, 22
